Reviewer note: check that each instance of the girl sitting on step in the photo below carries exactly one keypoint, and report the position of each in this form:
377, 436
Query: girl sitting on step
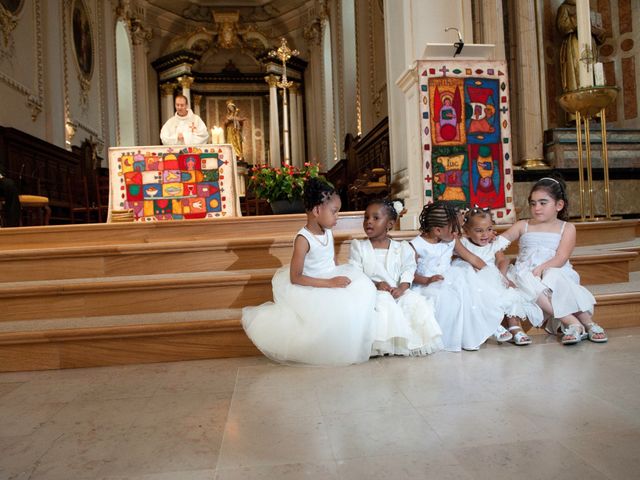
542, 268
514, 304
405, 323
322, 314
465, 313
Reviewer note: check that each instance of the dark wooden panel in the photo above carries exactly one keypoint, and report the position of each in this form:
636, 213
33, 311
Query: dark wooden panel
39, 168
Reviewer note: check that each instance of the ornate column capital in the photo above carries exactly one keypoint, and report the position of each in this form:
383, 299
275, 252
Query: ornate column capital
167, 89
294, 89
140, 33
272, 80
185, 82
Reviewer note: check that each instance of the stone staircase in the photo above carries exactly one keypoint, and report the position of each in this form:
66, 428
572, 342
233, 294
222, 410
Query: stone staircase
88, 295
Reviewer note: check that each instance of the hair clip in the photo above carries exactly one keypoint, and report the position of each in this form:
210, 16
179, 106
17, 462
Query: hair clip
477, 208
398, 206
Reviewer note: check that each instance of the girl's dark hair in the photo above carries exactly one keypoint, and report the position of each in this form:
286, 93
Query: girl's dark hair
476, 212
388, 207
439, 214
557, 189
316, 192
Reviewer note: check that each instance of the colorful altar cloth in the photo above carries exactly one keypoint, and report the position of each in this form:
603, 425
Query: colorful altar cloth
466, 133
173, 182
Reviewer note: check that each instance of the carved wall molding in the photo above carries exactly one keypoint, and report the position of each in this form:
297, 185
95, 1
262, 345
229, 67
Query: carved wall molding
371, 49
140, 33
312, 32
34, 96
67, 33
227, 34
358, 92
102, 76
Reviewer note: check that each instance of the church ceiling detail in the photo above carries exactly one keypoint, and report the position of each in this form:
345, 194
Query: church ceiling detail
250, 10
466, 135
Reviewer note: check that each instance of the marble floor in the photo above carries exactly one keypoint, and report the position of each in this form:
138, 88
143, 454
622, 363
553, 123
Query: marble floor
539, 412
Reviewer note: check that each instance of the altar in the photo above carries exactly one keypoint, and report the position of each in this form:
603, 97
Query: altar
173, 182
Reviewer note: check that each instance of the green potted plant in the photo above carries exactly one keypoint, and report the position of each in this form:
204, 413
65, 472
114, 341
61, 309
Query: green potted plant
282, 186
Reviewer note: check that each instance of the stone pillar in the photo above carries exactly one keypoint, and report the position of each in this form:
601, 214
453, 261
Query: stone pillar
196, 104
487, 27
185, 83
529, 134
140, 55
274, 123
295, 126
166, 104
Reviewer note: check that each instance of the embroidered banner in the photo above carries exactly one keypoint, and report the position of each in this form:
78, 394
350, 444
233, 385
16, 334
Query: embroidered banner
466, 135
173, 182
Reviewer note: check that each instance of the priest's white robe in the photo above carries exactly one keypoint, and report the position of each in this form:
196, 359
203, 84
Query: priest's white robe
191, 126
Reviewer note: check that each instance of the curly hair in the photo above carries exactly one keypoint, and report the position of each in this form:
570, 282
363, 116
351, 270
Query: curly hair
557, 189
316, 192
439, 214
388, 207
476, 212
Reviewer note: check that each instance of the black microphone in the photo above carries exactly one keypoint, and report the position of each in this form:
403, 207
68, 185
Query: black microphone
459, 45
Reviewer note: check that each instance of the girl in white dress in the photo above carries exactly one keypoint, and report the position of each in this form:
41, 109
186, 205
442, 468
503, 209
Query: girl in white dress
405, 323
466, 315
543, 270
515, 305
323, 314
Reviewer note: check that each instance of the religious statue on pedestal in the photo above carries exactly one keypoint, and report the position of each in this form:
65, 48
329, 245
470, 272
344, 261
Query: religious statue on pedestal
566, 22
233, 126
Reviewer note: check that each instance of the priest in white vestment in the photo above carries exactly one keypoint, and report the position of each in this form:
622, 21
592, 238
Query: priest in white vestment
185, 127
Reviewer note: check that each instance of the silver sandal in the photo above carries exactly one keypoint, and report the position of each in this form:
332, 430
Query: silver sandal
519, 338
594, 329
573, 334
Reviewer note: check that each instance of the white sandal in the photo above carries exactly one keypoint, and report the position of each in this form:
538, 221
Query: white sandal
573, 334
519, 338
502, 335
594, 329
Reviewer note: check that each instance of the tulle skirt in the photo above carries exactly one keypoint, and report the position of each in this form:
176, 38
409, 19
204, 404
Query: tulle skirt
405, 326
512, 302
316, 326
465, 305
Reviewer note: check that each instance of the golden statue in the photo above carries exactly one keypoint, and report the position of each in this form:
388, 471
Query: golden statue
233, 129
567, 24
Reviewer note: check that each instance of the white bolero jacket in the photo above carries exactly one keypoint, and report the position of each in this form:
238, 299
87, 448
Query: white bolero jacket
399, 266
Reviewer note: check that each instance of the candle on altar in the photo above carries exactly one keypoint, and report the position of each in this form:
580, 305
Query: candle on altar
583, 14
217, 135
598, 73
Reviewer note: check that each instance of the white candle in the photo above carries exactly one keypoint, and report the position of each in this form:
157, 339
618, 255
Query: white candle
584, 42
217, 136
598, 73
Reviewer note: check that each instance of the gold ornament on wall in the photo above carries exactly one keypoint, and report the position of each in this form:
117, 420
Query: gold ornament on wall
8, 21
